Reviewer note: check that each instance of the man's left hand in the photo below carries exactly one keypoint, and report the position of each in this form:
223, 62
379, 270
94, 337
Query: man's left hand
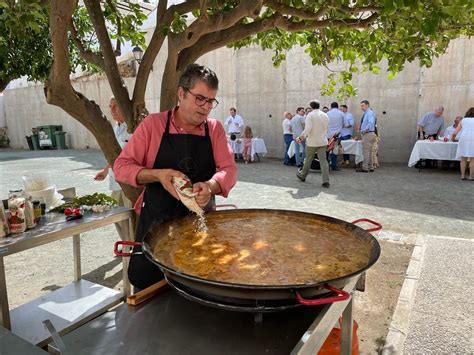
204, 193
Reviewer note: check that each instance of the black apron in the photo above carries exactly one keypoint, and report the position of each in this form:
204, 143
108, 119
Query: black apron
193, 156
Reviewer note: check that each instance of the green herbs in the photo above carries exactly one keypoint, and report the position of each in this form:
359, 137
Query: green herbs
87, 200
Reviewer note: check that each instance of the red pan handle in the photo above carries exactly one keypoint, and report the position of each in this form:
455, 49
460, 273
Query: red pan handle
341, 296
377, 225
118, 252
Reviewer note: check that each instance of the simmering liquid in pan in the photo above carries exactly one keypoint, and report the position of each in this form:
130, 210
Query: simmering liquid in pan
255, 249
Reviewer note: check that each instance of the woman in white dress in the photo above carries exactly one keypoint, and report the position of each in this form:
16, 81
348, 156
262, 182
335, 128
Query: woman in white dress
465, 135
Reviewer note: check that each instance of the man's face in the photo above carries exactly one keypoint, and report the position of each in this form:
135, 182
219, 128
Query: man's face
343, 109
308, 110
439, 112
300, 112
457, 120
115, 111
364, 106
232, 113
191, 112
289, 115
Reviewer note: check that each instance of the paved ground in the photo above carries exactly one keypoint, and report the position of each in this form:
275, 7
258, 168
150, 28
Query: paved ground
433, 208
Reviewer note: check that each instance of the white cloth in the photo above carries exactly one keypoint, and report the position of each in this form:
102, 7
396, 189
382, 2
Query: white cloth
291, 149
437, 150
234, 123
122, 137
286, 126
351, 146
336, 121
316, 127
258, 147
466, 138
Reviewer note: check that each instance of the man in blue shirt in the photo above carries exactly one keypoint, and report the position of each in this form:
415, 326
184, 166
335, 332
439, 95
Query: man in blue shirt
297, 127
347, 129
367, 130
431, 124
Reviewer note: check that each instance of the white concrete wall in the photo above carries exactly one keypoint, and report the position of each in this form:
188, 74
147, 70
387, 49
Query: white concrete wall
261, 93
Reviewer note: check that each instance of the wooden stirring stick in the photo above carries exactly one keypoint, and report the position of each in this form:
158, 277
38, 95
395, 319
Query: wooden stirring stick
147, 293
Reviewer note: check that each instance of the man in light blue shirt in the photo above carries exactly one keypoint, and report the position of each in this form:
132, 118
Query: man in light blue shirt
431, 124
347, 129
336, 124
367, 130
297, 127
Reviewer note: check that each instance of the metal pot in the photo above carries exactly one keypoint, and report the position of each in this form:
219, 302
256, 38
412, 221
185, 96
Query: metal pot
255, 297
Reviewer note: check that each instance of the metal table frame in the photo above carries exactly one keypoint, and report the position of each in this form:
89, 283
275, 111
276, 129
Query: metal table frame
54, 228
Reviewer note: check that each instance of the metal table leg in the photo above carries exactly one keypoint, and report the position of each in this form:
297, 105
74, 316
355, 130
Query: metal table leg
4, 308
76, 250
346, 332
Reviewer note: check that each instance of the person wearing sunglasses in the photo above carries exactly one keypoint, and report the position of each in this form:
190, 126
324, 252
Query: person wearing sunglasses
179, 142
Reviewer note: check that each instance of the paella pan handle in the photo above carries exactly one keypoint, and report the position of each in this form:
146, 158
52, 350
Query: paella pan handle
341, 296
377, 225
118, 252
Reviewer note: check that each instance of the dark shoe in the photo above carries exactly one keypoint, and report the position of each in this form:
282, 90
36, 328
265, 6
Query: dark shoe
463, 178
362, 171
335, 169
371, 170
299, 176
325, 184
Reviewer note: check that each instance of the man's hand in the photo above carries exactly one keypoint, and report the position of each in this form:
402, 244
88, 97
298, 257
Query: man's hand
165, 176
101, 175
204, 193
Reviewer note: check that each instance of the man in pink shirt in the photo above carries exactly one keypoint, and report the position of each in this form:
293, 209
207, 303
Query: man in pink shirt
178, 142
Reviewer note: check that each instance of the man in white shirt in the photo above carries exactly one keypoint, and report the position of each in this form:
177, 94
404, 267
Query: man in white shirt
122, 136
336, 122
287, 136
347, 129
234, 122
448, 132
315, 131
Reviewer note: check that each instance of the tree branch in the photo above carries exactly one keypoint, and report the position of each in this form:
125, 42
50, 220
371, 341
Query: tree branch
217, 22
110, 68
117, 50
292, 11
86, 54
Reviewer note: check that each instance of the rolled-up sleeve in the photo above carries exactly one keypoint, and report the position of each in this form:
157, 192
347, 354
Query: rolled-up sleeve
133, 157
226, 169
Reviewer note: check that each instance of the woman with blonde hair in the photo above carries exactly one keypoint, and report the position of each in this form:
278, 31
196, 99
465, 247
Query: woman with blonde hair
465, 134
247, 140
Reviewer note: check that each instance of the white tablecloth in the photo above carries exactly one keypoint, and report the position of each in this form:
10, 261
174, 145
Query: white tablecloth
258, 147
437, 150
351, 146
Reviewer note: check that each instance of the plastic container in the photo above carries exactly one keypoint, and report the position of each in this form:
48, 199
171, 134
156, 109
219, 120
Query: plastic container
35, 141
332, 345
60, 138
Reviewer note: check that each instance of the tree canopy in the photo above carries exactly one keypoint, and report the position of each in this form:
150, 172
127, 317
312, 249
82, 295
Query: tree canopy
89, 33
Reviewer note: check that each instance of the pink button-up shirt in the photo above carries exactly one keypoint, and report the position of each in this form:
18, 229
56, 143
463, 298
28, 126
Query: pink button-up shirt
140, 152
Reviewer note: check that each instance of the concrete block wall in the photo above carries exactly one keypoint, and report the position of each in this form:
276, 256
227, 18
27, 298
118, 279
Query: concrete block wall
261, 93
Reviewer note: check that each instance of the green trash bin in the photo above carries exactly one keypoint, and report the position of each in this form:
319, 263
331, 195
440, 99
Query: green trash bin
50, 130
35, 142
60, 138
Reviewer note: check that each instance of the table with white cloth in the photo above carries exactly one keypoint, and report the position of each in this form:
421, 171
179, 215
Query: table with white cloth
258, 147
436, 150
351, 146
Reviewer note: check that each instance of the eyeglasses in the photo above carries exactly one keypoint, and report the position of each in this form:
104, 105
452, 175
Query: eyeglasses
202, 100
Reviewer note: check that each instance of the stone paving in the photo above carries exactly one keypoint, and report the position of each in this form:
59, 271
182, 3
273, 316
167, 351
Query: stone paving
431, 208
